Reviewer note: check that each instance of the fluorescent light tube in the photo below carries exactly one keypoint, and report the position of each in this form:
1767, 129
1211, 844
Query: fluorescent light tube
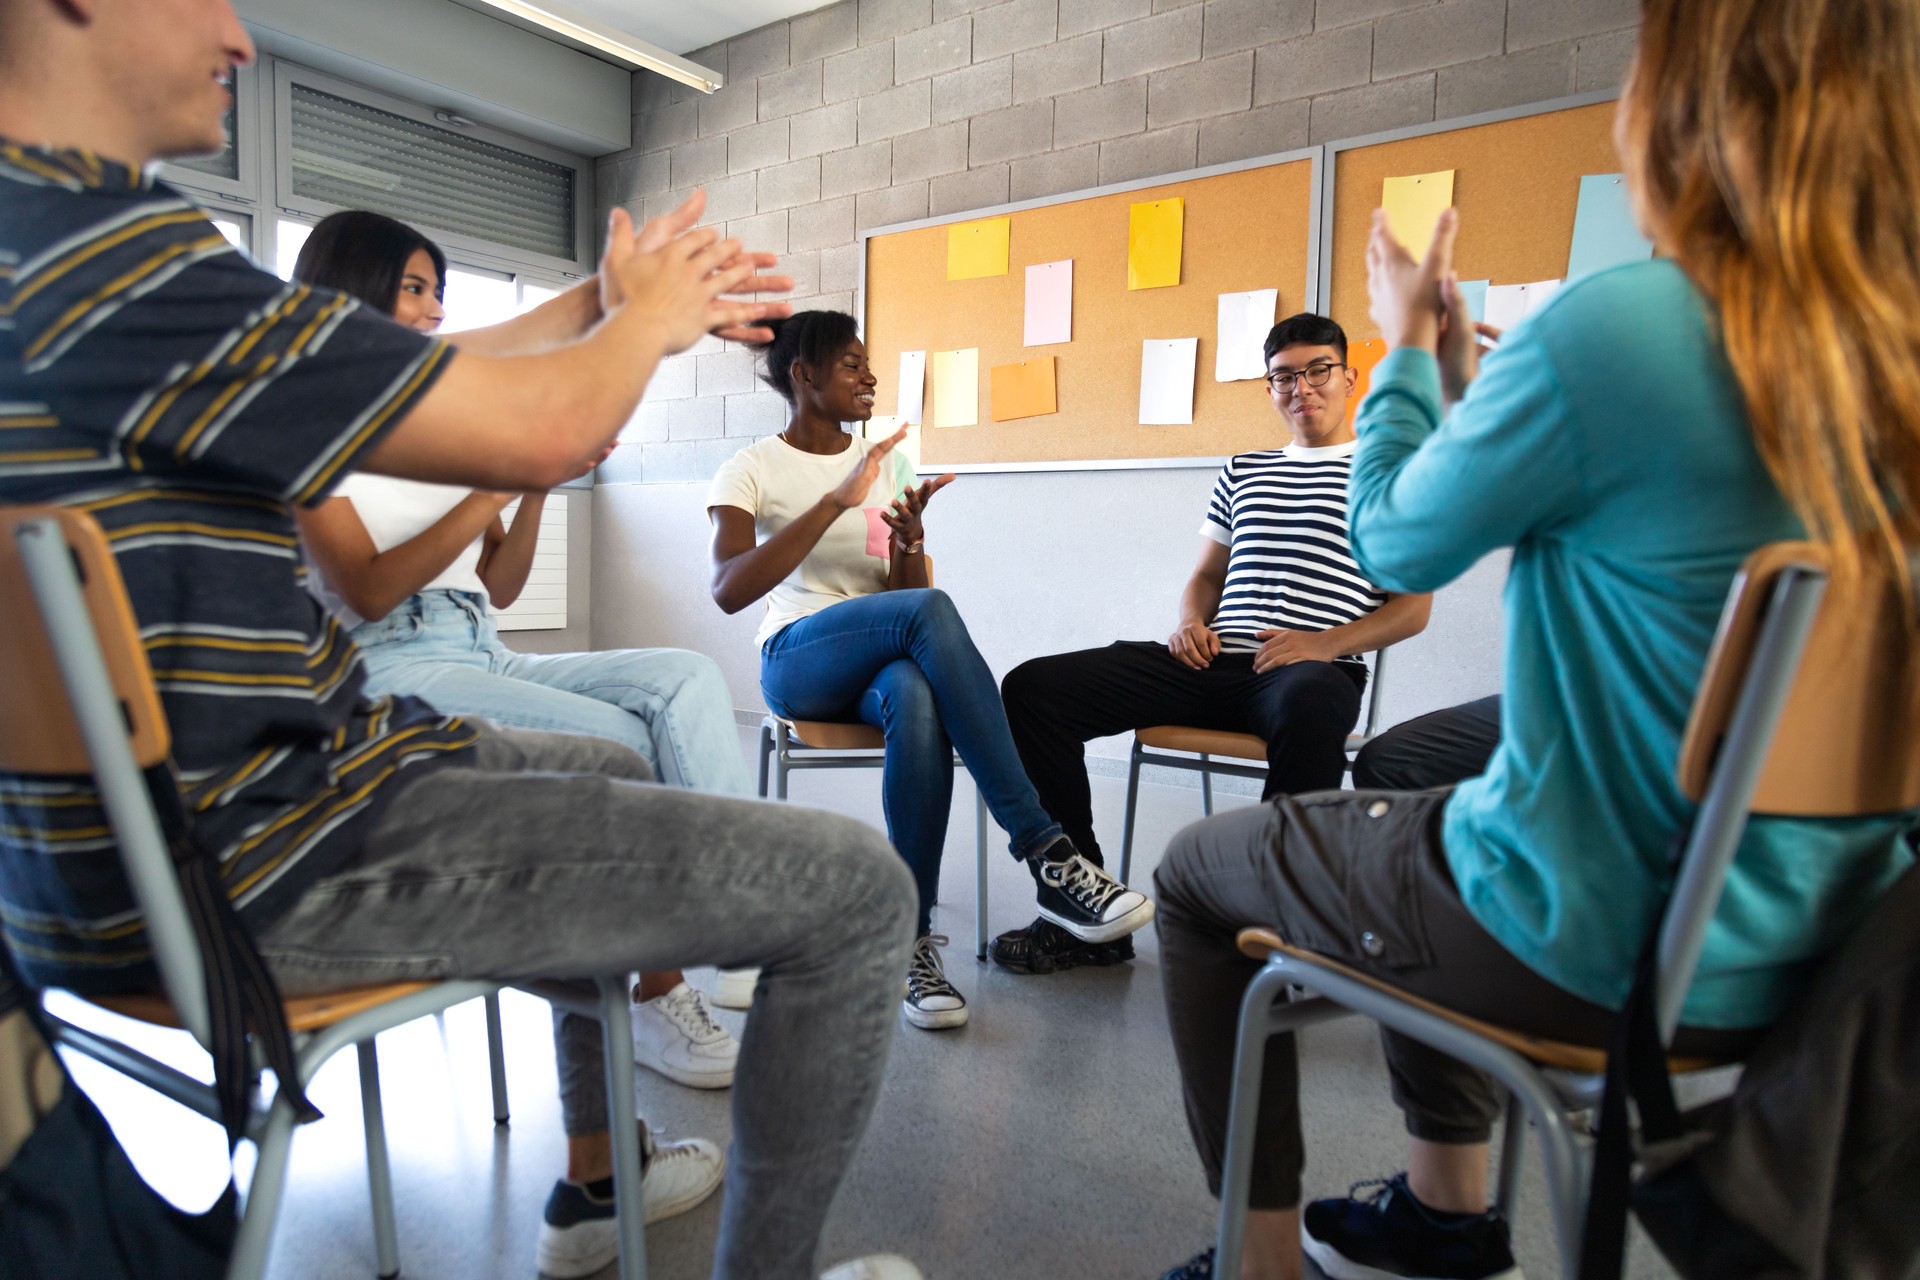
580, 28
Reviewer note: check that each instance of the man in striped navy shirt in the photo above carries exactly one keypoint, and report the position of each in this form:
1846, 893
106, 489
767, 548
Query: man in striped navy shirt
1272, 626
154, 378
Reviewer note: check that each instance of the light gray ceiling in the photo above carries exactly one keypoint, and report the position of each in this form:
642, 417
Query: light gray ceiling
681, 26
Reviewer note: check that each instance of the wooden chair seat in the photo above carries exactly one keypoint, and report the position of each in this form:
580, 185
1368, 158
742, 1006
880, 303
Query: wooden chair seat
304, 1013
1215, 742
1260, 944
834, 735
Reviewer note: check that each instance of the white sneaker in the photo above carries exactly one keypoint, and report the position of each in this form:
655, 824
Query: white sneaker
676, 1035
734, 988
931, 1002
881, 1266
579, 1233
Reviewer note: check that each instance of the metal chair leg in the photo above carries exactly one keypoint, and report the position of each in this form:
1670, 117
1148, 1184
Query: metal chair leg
980, 821
1206, 788
766, 751
1249, 1062
496, 1058
623, 1118
1126, 823
1513, 1151
780, 748
249, 1258
386, 1245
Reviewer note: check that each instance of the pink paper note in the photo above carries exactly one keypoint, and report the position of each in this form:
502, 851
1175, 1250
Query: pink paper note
1049, 303
878, 534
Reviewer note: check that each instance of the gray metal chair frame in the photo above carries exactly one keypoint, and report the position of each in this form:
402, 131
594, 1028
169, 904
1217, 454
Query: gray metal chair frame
52, 572
1548, 1097
1207, 766
781, 753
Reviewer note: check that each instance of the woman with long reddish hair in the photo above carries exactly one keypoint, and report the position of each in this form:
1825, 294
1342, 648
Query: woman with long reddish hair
1633, 442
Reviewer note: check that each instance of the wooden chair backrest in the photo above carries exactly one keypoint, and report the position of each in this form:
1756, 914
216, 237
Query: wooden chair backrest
1847, 742
38, 730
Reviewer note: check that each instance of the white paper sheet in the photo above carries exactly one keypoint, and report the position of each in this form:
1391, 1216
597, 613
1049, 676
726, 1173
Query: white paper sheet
1509, 304
913, 384
1245, 321
1166, 381
1049, 303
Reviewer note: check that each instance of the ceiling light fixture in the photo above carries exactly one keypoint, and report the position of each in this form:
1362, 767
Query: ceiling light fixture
581, 29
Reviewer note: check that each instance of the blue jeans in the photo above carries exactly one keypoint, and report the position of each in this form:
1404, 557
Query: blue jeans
903, 662
669, 705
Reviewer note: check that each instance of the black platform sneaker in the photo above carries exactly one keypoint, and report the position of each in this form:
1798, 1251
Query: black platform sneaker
1044, 947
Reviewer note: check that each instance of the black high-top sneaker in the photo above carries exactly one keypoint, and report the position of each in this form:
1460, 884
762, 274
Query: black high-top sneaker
1082, 898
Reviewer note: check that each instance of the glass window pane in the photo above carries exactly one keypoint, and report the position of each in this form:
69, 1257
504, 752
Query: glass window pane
288, 237
532, 295
474, 301
236, 234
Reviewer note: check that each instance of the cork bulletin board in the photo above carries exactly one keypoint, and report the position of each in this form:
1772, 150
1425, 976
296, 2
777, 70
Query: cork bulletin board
1249, 227
1516, 184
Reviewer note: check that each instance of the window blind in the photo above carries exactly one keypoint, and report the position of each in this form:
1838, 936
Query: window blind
224, 163
359, 157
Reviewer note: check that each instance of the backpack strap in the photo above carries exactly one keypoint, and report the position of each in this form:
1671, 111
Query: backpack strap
242, 996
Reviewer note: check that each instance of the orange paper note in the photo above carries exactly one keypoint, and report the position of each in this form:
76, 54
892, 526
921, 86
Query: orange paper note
1023, 390
1361, 357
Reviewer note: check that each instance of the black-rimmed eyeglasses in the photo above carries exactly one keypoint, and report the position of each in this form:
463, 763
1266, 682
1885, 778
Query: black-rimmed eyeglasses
1316, 375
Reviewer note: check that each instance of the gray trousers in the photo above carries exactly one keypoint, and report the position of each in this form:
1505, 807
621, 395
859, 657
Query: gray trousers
1360, 877
544, 857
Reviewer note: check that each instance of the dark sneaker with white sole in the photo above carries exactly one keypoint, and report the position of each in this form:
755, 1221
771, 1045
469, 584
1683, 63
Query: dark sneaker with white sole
1198, 1267
1082, 898
932, 1003
1389, 1235
1044, 947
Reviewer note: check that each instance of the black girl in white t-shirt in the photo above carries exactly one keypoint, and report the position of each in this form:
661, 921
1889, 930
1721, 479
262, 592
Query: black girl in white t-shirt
828, 531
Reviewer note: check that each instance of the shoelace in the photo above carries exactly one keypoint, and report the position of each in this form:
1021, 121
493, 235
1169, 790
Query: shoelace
1087, 884
689, 1012
925, 975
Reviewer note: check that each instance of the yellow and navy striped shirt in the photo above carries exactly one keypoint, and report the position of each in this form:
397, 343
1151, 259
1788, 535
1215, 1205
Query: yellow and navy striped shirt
153, 377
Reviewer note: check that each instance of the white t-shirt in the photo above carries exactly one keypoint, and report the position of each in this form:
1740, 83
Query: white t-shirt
397, 511
776, 483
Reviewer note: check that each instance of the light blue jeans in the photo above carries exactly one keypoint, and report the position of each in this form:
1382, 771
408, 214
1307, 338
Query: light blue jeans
669, 705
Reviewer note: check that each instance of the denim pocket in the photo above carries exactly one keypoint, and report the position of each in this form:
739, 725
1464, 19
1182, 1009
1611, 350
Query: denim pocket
395, 628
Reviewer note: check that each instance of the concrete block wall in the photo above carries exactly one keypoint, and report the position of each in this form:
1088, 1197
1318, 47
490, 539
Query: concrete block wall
869, 112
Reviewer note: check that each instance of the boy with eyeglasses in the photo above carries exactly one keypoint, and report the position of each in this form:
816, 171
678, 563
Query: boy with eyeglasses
1272, 624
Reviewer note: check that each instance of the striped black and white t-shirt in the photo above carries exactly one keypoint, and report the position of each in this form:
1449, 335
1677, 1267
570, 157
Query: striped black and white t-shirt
1282, 514
155, 379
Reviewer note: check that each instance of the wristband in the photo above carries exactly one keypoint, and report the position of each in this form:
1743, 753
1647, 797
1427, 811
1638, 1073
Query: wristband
911, 548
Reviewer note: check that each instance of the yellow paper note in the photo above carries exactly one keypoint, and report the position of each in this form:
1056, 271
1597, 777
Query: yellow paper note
1154, 232
976, 249
956, 388
1413, 206
1023, 390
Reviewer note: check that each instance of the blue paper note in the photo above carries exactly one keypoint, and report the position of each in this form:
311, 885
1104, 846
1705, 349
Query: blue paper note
1475, 292
1603, 231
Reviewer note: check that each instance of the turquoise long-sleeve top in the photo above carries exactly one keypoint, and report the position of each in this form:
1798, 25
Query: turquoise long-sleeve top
1605, 443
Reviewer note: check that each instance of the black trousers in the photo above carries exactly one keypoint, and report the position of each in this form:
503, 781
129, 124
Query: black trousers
1055, 705
1439, 749
1360, 877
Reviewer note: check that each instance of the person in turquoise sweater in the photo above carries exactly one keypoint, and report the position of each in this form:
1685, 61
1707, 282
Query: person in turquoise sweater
1632, 442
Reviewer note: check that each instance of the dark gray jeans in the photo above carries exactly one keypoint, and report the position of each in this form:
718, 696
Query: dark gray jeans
1360, 877
545, 858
